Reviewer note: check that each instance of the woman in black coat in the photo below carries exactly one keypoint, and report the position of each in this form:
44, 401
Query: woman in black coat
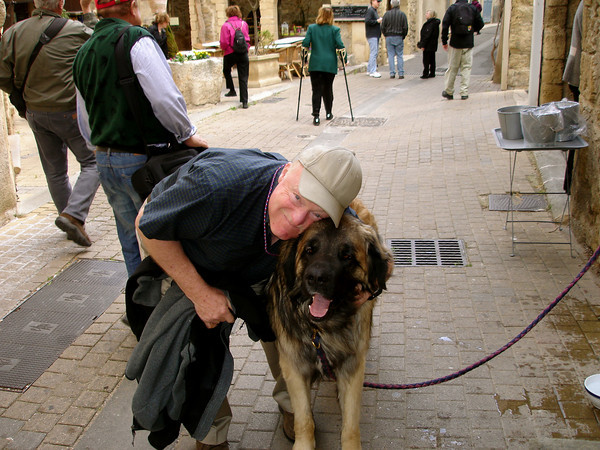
430, 33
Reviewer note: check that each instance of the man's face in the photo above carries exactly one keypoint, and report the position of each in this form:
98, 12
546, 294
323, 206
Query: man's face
375, 3
290, 213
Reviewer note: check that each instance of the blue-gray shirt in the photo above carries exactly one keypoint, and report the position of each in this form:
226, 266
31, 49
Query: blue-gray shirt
214, 205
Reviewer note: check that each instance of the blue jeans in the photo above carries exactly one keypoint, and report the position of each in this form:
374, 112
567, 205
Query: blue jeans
373, 50
395, 49
115, 169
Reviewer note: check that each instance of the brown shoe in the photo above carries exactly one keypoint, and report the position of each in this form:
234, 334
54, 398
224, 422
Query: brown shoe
201, 446
74, 229
288, 424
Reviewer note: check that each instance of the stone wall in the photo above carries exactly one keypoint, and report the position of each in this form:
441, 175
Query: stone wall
586, 185
8, 197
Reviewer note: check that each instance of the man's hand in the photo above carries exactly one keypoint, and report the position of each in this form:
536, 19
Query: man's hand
196, 141
211, 305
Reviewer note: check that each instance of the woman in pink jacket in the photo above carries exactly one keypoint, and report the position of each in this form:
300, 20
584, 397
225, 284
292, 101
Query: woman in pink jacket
231, 57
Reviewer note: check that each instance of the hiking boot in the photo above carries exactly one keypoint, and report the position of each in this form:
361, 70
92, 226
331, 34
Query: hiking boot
448, 96
288, 424
74, 229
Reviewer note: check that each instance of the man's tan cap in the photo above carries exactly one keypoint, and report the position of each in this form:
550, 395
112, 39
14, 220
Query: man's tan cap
331, 179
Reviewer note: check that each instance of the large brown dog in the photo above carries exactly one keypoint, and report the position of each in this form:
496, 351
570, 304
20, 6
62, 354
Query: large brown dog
313, 295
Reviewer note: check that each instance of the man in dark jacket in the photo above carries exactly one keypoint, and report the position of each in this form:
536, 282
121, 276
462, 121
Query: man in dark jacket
395, 28
430, 33
463, 20
373, 32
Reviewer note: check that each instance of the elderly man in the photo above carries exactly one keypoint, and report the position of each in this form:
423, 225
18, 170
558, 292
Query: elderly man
108, 123
49, 94
223, 215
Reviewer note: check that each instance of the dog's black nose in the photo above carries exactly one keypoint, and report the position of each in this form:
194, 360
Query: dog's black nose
318, 277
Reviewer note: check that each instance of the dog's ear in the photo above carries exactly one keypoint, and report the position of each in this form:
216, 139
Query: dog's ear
287, 262
379, 260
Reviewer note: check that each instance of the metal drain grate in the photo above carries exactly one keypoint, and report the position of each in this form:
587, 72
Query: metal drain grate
529, 202
358, 122
421, 252
35, 334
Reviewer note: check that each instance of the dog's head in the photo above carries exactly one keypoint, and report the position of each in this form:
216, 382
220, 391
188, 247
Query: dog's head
326, 267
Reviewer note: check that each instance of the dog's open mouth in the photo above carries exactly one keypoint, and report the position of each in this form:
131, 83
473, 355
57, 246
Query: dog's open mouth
319, 306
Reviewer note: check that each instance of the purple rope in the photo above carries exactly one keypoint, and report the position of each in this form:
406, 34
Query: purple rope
500, 350
329, 372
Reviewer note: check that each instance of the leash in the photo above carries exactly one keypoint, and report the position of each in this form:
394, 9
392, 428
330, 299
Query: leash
316, 341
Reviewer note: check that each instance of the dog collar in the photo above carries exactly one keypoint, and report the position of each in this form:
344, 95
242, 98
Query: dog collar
375, 294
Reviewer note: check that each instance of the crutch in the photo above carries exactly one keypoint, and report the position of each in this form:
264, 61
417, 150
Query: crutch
342, 53
303, 54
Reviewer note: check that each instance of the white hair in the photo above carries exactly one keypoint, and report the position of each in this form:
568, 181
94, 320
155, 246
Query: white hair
50, 5
395, 3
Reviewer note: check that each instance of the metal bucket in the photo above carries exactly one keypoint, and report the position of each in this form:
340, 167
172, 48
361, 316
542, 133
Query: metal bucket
510, 121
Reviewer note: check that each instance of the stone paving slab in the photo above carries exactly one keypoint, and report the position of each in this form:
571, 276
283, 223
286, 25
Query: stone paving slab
426, 171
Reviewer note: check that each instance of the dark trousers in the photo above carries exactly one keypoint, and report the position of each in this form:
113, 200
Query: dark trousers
428, 63
571, 155
322, 88
241, 61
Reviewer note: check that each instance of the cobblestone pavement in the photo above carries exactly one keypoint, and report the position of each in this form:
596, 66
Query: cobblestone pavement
429, 166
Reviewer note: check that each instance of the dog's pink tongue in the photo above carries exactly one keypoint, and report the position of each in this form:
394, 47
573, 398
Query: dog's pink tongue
319, 306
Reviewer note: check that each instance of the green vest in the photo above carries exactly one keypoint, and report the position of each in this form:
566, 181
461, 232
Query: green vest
95, 73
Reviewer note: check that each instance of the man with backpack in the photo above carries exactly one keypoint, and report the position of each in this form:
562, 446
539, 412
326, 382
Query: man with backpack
462, 19
235, 41
105, 117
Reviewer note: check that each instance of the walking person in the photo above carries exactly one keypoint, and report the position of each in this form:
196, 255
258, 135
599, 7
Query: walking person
462, 20
158, 29
232, 56
394, 27
323, 38
49, 94
106, 120
373, 32
430, 33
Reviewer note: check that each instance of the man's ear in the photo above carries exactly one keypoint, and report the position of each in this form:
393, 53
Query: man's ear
284, 172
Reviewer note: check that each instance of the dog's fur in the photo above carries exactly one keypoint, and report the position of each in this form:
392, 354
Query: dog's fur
327, 263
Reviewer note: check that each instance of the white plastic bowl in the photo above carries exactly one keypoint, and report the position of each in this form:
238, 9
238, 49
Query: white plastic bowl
592, 389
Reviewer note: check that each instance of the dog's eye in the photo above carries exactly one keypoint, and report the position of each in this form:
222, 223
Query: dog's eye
347, 256
309, 250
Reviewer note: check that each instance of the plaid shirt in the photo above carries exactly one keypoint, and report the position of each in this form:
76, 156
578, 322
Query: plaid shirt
214, 205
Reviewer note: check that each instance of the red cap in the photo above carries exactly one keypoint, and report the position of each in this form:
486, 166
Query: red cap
109, 3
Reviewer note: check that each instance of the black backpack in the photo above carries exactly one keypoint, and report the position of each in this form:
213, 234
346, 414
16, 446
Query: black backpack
239, 41
464, 18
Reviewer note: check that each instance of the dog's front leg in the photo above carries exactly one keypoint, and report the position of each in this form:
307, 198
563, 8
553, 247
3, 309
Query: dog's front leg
350, 395
299, 389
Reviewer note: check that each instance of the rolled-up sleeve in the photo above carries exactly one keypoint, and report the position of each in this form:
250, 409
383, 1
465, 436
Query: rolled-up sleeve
155, 78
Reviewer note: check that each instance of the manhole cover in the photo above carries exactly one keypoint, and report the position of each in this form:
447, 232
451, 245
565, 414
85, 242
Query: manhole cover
35, 334
530, 202
358, 122
423, 252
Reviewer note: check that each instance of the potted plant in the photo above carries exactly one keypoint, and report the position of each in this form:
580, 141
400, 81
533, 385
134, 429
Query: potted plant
264, 66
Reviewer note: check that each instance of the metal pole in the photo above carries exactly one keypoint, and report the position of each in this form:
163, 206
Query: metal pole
303, 53
342, 53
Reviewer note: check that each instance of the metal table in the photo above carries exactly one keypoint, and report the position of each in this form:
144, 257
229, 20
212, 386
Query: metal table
519, 145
